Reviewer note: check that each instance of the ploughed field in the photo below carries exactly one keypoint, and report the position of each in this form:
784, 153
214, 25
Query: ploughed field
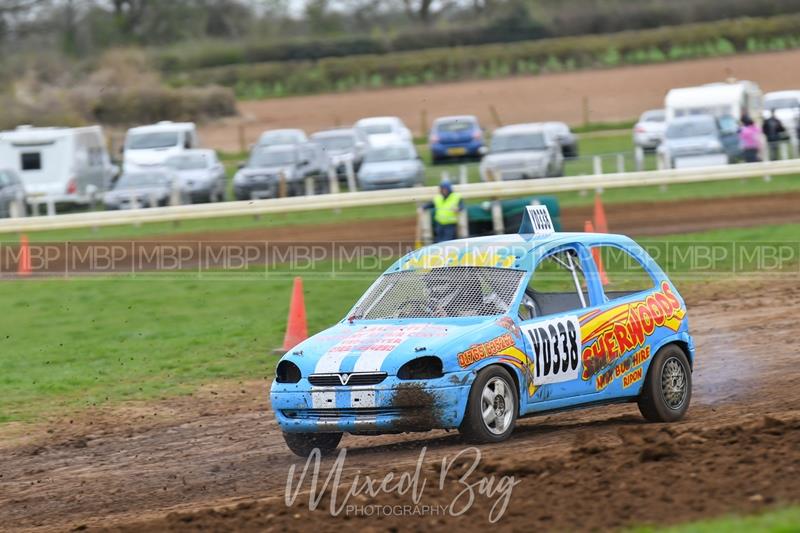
216, 459
611, 95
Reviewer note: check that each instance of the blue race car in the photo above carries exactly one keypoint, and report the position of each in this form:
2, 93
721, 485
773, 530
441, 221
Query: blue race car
473, 334
457, 137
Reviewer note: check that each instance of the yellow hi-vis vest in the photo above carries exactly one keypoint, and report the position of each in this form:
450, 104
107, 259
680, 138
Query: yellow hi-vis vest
446, 209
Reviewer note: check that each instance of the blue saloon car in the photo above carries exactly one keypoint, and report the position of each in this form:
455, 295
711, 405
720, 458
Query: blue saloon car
456, 137
473, 334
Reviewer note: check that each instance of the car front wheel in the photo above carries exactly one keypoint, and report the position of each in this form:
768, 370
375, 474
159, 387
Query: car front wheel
303, 443
667, 389
492, 407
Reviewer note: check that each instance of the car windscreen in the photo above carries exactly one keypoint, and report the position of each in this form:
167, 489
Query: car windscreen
389, 153
150, 141
690, 128
377, 129
459, 291
512, 142
782, 103
272, 158
455, 126
335, 142
280, 137
188, 162
141, 179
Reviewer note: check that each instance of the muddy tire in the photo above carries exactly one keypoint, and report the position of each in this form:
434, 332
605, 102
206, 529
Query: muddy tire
667, 389
303, 443
492, 407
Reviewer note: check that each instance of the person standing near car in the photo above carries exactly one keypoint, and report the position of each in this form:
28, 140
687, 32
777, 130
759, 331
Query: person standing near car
775, 133
446, 205
749, 140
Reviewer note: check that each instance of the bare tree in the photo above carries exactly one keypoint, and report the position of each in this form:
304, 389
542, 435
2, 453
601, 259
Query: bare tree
426, 11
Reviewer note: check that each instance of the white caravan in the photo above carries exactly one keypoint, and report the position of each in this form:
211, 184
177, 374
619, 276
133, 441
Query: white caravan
59, 165
150, 146
723, 100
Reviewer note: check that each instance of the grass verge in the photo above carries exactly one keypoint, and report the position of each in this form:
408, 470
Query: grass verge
776, 521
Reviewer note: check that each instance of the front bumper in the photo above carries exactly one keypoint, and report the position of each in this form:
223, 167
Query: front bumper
392, 406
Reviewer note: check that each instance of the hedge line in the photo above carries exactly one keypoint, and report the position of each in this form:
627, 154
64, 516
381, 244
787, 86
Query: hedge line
513, 25
500, 60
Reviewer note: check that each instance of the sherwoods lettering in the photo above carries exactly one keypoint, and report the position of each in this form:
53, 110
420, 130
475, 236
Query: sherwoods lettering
468, 487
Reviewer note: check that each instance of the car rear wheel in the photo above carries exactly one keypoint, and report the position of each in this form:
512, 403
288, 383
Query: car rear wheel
667, 389
492, 407
303, 443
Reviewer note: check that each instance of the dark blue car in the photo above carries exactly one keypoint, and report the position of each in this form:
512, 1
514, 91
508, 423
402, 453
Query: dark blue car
457, 137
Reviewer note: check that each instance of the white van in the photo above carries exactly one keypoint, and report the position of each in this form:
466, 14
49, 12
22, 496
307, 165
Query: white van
723, 100
62, 165
149, 146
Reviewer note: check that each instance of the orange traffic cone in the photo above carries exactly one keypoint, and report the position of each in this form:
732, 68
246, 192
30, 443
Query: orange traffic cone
598, 258
600, 215
24, 266
296, 327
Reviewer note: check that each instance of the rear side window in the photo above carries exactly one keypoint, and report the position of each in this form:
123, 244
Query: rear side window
31, 161
620, 272
557, 286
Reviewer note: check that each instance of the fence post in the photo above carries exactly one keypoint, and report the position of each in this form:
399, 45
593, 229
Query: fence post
51, 207
309, 182
638, 157
281, 184
19, 202
660, 163
495, 116
463, 224
784, 149
462, 175
333, 180
423, 123
175, 194
597, 165
621, 163
497, 218
351, 175
425, 229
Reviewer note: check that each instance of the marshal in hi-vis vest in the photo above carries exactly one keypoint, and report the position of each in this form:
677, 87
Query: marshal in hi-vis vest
446, 209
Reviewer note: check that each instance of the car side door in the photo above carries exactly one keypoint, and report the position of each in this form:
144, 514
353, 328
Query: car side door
562, 289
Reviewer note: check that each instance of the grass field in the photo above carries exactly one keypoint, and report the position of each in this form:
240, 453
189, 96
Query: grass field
777, 521
151, 336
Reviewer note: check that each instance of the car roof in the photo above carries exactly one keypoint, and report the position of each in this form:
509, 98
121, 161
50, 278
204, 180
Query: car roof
277, 147
522, 248
393, 142
165, 125
456, 118
195, 151
774, 95
376, 120
531, 127
334, 132
702, 117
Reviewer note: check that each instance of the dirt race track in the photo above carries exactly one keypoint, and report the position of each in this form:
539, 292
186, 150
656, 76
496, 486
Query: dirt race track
216, 460
613, 94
